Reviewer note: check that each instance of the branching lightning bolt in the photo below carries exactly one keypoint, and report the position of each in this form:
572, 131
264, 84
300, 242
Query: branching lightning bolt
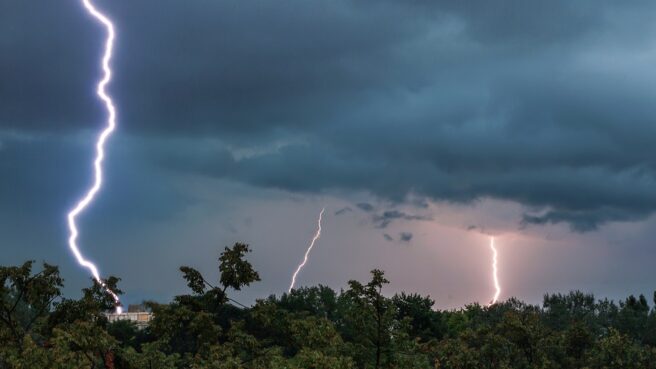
305, 258
100, 147
494, 272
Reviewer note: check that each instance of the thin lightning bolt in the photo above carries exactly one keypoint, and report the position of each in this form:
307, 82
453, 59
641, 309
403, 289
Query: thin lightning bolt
100, 148
494, 272
305, 259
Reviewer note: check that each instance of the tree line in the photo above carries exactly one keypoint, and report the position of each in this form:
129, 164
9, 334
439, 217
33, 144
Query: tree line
313, 327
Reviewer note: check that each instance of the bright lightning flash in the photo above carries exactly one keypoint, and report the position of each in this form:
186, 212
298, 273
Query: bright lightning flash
305, 258
494, 272
100, 148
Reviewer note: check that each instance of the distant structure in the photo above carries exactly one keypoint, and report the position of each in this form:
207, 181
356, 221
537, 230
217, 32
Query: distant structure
136, 314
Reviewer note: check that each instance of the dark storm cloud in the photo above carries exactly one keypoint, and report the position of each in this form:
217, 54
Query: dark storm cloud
43, 175
46, 64
544, 104
343, 210
581, 222
386, 218
365, 207
405, 236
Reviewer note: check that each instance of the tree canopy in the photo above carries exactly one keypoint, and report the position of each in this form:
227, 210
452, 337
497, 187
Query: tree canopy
313, 327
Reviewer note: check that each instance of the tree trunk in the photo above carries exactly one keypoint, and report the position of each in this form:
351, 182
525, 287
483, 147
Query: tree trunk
109, 360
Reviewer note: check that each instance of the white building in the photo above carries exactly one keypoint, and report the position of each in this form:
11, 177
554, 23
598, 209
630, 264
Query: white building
135, 313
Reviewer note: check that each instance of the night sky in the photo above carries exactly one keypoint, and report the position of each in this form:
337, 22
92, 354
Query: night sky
422, 126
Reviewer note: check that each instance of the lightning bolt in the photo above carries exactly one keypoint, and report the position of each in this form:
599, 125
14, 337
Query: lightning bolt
494, 272
305, 258
84, 202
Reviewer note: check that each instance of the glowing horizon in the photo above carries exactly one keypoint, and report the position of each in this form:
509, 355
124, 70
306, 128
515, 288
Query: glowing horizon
84, 202
307, 252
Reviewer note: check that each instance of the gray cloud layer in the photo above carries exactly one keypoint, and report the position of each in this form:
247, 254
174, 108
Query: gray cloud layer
546, 104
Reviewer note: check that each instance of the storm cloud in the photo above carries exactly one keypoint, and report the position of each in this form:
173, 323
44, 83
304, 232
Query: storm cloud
386, 218
343, 210
364, 206
405, 236
549, 105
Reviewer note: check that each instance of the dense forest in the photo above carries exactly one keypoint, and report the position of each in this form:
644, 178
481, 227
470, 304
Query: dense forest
313, 327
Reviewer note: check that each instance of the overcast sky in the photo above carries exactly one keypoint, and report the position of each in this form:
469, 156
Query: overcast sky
421, 126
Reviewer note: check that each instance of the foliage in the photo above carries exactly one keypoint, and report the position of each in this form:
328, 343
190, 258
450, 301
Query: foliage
313, 327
